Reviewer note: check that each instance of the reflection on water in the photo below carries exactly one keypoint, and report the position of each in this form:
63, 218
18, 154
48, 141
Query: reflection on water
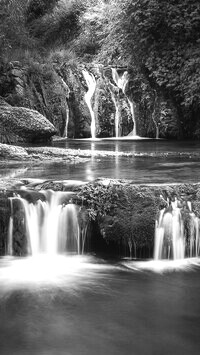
134, 146
94, 307
139, 170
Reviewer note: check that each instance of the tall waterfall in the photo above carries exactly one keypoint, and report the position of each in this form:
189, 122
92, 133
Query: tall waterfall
174, 239
121, 82
51, 226
91, 83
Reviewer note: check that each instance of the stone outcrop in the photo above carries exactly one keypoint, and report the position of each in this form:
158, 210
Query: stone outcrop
12, 152
19, 124
37, 87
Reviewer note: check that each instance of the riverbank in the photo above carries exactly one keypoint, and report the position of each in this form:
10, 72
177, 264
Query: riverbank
18, 153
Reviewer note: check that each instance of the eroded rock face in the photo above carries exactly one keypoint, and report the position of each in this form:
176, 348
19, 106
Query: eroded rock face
19, 124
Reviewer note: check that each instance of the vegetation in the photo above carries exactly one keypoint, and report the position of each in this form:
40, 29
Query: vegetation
159, 43
160, 40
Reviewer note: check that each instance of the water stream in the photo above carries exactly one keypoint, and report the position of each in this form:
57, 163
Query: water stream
50, 226
121, 82
170, 234
91, 83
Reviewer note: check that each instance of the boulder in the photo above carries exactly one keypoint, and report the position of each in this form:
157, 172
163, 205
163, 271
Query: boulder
19, 124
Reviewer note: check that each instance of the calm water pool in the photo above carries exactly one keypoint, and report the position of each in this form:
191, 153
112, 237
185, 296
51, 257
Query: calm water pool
139, 169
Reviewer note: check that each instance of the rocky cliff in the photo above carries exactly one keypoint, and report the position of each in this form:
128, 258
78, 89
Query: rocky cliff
57, 91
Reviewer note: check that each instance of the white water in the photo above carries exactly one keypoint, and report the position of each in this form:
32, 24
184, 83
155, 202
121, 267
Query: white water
170, 234
66, 123
117, 114
67, 90
10, 229
121, 82
91, 83
52, 227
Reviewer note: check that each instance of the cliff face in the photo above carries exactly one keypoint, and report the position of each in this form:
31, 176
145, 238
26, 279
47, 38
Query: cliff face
36, 87
57, 91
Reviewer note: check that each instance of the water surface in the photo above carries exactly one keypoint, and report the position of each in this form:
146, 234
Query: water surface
139, 169
90, 306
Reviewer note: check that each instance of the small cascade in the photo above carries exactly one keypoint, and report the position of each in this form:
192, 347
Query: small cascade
10, 229
194, 241
121, 82
65, 135
172, 238
67, 90
117, 114
51, 226
131, 104
91, 83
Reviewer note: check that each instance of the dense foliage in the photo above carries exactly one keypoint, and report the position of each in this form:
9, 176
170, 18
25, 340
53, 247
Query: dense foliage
162, 40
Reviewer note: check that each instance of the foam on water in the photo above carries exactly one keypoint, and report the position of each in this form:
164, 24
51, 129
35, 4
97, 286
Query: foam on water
44, 272
162, 266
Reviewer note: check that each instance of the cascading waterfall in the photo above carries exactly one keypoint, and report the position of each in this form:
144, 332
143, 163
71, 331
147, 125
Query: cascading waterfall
121, 82
172, 240
52, 226
91, 83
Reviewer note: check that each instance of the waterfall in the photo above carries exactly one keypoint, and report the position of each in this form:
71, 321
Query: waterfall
172, 238
10, 229
131, 104
91, 83
67, 90
117, 114
51, 226
66, 123
194, 242
121, 82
